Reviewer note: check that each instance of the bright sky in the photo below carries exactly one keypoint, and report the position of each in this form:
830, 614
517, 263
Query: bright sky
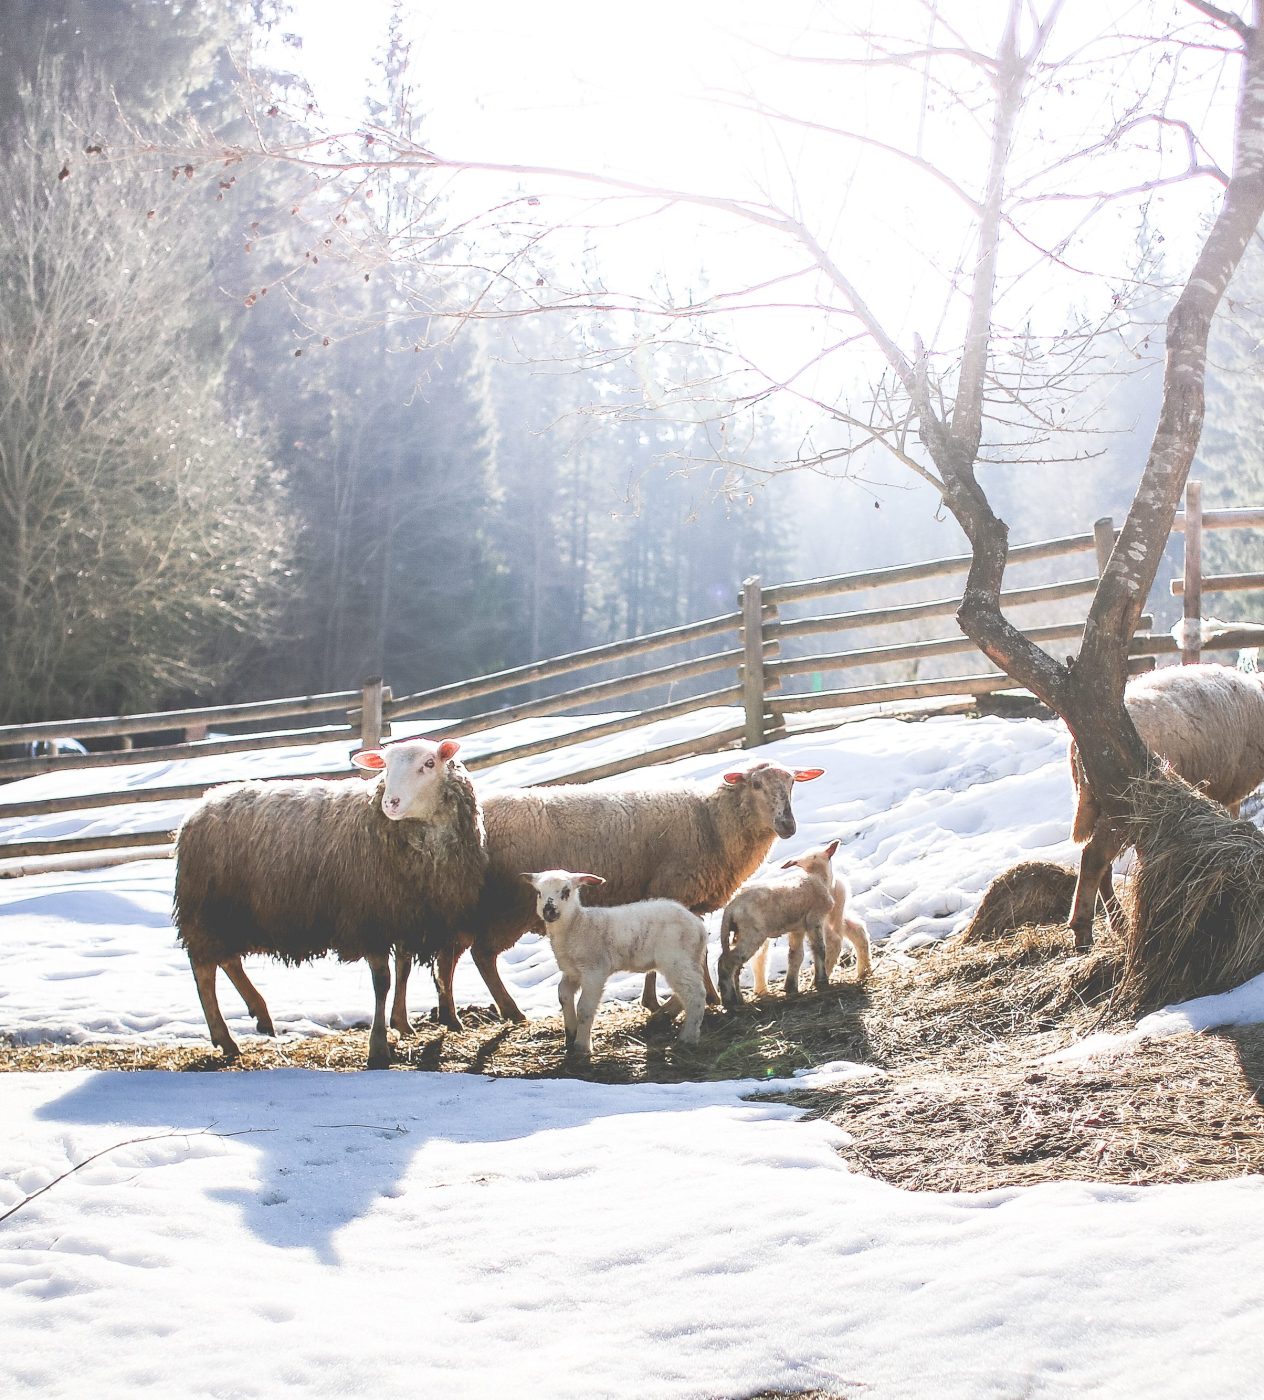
653, 93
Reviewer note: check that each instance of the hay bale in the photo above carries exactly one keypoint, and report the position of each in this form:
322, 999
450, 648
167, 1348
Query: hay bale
1196, 900
1031, 892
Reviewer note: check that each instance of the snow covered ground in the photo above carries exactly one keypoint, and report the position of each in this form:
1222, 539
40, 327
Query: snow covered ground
311, 1234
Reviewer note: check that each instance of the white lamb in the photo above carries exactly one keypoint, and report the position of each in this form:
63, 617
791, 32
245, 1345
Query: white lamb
805, 898
652, 935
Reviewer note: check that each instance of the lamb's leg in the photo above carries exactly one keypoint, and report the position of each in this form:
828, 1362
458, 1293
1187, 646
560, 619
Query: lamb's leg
566, 990
379, 1047
689, 995
444, 967
1102, 848
816, 936
590, 989
399, 1002
794, 961
204, 976
485, 961
858, 936
251, 995
759, 966
649, 992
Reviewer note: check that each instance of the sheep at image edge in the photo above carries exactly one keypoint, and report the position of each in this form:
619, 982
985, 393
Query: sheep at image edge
297, 868
591, 943
1207, 722
693, 842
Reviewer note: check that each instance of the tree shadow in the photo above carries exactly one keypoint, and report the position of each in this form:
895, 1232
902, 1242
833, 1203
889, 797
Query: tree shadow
333, 1147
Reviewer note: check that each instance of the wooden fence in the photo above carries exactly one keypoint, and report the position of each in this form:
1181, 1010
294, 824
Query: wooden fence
747, 664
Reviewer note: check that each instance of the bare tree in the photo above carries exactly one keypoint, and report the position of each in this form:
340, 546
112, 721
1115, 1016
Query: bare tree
1027, 187
140, 525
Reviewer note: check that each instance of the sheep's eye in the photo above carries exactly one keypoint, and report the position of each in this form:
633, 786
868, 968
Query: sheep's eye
430, 763
566, 892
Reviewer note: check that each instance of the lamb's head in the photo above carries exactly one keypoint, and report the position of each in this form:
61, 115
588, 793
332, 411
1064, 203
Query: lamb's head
413, 771
765, 790
816, 862
557, 891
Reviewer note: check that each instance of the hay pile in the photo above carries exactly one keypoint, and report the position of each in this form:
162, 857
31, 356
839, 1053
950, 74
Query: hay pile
966, 1099
1195, 905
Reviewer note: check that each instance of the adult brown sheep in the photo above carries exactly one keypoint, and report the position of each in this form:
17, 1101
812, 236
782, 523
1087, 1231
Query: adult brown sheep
300, 868
1208, 723
689, 841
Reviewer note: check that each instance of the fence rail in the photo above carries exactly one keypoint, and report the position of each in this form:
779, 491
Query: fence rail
757, 672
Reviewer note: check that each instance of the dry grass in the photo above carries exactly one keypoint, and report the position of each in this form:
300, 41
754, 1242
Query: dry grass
966, 1101
1196, 903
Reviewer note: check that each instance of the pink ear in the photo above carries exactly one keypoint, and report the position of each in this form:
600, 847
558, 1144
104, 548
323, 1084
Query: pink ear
805, 775
589, 880
447, 748
830, 849
734, 778
369, 758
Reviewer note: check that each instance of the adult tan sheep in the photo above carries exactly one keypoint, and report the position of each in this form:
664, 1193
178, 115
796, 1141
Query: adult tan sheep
300, 868
1207, 722
688, 841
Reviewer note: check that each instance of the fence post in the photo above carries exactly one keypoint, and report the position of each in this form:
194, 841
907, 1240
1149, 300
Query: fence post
1191, 649
371, 713
753, 661
1103, 541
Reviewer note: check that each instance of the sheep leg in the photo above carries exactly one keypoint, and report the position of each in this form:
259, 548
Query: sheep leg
251, 995
856, 934
709, 988
1114, 910
379, 1048
1102, 848
590, 990
816, 937
399, 1003
566, 990
485, 961
204, 976
444, 968
692, 995
649, 992
759, 966
794, 961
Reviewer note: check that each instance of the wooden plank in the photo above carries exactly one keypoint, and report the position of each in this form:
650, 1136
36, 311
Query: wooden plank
591, 694
1236, 518
198, 748
1231, 639
622, 725
1193, 580
935, 607
112, 727
909, 651
782, 593
906, 690
415, 704
687, 748
131, 797
65, 845
1221, 583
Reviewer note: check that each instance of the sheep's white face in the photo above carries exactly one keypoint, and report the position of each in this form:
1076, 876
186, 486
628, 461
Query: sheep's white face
557, 892
768, 786
413, 770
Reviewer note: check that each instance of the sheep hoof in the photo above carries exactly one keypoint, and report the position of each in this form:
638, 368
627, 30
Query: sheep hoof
792, 990
263, 1024
1083, 939
382, 1061
402, 1029
229, 1050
